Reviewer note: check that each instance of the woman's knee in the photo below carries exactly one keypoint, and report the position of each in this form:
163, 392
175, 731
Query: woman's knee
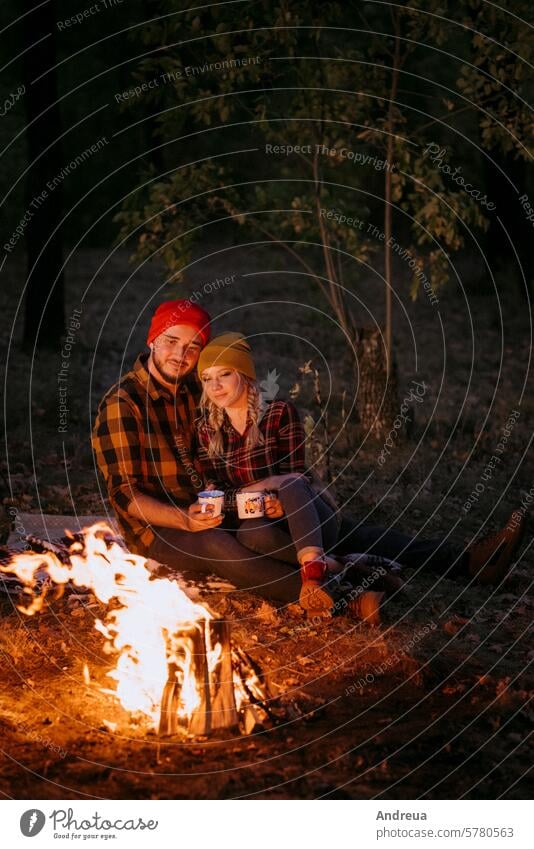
295, 495
256, 534
294, 487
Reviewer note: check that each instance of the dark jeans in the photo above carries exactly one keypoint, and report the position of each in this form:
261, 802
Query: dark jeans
262, 558
307, 523
270, 537
219, 551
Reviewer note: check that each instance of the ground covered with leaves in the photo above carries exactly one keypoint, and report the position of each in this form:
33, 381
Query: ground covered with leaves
436, 702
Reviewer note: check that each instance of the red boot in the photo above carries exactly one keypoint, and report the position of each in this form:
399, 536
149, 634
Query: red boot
314, 598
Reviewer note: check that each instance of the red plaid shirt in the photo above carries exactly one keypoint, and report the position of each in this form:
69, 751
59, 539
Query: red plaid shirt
282, 453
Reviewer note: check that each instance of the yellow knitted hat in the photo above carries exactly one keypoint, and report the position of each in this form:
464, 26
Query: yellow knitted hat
230, 350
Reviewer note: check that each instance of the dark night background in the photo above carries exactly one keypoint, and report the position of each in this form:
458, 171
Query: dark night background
181, 193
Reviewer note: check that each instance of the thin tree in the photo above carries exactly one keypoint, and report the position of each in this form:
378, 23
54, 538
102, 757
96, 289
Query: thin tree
314, 89
44, 307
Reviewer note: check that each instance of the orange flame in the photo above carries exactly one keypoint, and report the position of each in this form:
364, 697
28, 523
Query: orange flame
148, 611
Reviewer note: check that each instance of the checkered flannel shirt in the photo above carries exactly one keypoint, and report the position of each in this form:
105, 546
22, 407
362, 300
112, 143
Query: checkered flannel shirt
283, 452
143, 441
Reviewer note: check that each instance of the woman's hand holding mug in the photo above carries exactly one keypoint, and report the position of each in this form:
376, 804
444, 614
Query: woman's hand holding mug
273, 506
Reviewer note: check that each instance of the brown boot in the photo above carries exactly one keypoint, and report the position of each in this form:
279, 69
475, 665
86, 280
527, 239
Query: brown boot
314, 597
489, 560
366, 607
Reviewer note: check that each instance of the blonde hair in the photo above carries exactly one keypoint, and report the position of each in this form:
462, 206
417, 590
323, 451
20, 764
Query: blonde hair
214, 417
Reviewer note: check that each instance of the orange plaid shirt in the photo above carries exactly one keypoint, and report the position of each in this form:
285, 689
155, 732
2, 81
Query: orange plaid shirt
143, 440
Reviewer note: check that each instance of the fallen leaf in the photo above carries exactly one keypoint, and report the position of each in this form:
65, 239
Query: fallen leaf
452, 626
305, 661
267, 613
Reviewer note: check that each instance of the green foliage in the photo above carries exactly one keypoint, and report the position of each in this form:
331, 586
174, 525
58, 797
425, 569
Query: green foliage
499, 75
234, 78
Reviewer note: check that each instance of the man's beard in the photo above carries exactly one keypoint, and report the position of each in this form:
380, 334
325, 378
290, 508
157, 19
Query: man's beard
159, 366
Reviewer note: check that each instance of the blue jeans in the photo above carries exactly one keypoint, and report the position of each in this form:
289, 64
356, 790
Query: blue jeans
305, 521
273, 538
219, 551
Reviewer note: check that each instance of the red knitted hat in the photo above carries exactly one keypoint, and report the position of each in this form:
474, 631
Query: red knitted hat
179, 312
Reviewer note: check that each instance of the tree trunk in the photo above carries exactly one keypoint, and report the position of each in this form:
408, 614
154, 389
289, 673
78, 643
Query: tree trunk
388, 208
376, 389
377, 375
45, 307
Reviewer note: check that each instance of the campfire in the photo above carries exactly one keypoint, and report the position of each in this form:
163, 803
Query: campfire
174, 663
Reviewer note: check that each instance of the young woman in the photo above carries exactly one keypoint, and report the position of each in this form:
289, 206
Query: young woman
244, 447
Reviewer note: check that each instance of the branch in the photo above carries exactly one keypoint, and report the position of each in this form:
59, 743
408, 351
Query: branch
336, 298
454, 113
293, 253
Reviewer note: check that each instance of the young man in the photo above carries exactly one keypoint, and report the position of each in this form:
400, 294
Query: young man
143, 442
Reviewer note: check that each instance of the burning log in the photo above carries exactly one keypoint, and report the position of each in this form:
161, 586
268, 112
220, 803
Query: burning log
212, 671
223, 703
175, 661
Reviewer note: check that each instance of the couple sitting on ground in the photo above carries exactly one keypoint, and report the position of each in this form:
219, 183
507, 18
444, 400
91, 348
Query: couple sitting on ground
189, 417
